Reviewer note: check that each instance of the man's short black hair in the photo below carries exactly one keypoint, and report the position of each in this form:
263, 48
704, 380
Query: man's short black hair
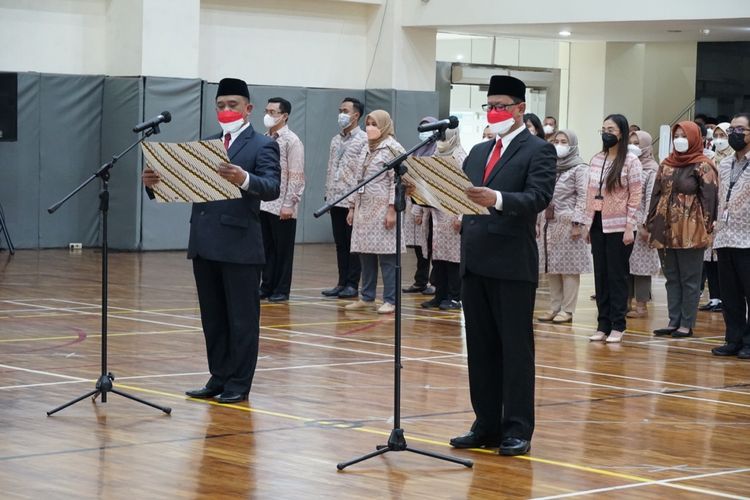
284, 105
710, 120
551, 118
744, 115
357, 105
700, 116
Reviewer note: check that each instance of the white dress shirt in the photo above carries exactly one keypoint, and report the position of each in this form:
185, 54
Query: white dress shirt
507, 139
232, 136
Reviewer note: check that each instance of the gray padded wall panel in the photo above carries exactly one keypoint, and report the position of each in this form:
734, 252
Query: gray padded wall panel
165, 226
122, 109
411, 106
322, 114
19, 168
70, 130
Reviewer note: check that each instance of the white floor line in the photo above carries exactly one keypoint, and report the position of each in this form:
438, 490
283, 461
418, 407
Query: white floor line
661, 482
40, 372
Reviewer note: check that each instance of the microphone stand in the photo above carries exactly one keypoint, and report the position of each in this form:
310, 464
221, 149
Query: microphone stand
104, 383
396, 440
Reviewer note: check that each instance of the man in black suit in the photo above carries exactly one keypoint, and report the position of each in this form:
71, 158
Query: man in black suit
227, 249
514, 176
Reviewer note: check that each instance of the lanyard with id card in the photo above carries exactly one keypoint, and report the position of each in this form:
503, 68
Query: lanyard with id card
732, 182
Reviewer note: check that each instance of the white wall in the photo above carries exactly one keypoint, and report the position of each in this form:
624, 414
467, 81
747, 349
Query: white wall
588, 62
54, 36
284, 42
624, 80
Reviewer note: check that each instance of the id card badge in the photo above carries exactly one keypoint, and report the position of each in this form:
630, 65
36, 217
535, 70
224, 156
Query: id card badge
361, 190
725, 216
337, 176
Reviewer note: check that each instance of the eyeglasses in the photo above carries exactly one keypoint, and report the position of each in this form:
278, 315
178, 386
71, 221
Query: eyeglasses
273, 112
500, 107
737, 130
612, 131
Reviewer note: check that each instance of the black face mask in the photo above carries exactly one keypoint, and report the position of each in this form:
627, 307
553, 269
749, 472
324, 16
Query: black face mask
737, 141
609, 140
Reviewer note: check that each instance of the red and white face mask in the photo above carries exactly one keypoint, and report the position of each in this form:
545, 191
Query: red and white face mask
230, 120
500, 121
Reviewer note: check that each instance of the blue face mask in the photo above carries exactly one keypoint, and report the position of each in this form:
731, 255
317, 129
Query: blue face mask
344, 120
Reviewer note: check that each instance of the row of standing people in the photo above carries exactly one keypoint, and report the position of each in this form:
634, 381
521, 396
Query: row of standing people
632, 211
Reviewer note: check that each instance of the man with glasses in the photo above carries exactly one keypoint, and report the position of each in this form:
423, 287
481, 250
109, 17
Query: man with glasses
732, 240
226, 248
514, 178
279, 217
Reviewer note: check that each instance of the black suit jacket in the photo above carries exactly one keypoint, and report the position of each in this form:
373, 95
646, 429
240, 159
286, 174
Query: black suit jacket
502, 245
229, 230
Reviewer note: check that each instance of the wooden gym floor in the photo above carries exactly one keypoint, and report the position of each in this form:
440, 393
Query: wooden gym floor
652, 418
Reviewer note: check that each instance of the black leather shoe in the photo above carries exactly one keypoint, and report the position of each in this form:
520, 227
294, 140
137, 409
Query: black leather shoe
227, 397
414, 289
430, 290
473, 440
204, 392
431, 304
744, 353
332, 292
717, 308
264, 295
681, 335
729, 349
450, 305
278, 297
514, 446
665, 331
348, 293
707, 306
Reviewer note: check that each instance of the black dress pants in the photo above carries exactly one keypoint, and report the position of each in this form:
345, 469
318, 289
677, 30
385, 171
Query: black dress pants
230, 315
500, 346
278, 244
349, 266
611, 269
734, 275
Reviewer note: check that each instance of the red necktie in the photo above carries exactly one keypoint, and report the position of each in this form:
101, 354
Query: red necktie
226, 140
494, 157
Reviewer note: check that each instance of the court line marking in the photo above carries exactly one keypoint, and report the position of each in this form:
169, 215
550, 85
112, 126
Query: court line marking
41, 372
660, 482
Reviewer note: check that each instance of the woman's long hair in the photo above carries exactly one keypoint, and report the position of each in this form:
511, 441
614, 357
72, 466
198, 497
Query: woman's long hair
613, 177
531, 117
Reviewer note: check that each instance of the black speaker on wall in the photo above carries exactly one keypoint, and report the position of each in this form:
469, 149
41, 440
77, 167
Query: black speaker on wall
8, 107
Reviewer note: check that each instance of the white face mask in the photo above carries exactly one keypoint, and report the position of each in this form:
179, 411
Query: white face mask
721, 144
502, 127
634, 149
709, 133
232, 127
548, 129
269, 121
680, 144
423, 136
562, 150
344, 120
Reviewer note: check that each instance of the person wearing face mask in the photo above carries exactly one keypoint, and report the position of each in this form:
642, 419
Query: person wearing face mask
680, 222
644, 261
549, 127
226, 248
418, 227
612, 202
446, 240
346, 148
732, 240
710, 261
487, 134
534, 125
373, 216
563, 253
514, 177
278, 218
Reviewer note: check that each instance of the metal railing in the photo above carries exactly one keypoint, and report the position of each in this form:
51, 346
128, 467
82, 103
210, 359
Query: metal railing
686, 114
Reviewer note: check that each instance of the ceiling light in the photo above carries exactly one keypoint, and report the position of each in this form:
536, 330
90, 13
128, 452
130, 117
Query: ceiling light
565, 33
706, 31
460, 57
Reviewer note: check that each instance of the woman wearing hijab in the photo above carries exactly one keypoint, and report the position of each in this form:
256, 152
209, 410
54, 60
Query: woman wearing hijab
612, 201
446, 239
417, 231
723, 150
680, 222
563, 253
644, 261
373, 216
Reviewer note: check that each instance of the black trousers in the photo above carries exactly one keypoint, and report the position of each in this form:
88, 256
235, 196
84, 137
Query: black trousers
734, 275
230, 314
446, 277
349, 266
712, 275
500, 346
422, 275
611, 269
278, 244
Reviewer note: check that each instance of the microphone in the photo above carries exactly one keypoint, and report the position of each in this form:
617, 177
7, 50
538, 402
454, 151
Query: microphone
164, 117
450, 122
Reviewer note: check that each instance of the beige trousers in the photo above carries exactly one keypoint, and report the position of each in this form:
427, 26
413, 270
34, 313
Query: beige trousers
563, 292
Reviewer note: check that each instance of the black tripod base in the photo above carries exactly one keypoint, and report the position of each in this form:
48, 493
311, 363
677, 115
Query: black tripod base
397, 442
104, 386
